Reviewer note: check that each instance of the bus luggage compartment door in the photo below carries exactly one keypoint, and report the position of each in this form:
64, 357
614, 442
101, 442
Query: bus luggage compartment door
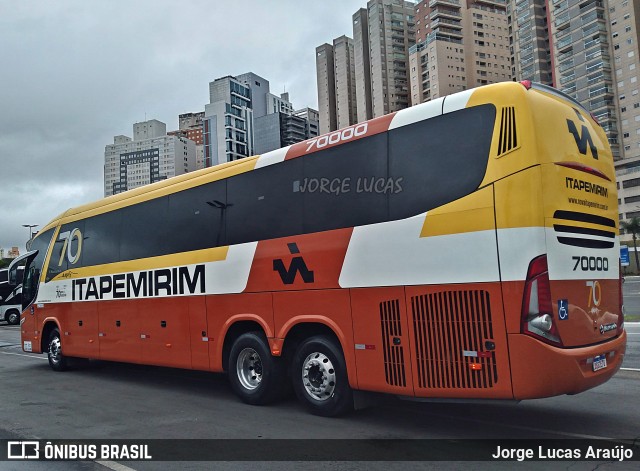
381, 336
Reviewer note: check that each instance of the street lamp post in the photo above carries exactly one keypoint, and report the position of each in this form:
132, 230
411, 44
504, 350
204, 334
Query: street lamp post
30, 227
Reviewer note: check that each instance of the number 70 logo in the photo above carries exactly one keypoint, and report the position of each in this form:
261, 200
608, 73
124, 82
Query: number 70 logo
68, 237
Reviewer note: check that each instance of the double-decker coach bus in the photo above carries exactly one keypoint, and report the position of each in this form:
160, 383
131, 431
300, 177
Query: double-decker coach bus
464, 248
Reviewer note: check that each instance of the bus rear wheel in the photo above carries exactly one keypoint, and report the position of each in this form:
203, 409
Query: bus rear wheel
13, 317
57, 361
320, 377
256, 376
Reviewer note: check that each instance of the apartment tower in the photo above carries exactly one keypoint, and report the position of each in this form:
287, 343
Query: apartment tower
391, 32
624, 21
335, 73
150, 156
459, 45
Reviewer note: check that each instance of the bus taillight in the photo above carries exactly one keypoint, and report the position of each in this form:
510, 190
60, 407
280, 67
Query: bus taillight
537, 312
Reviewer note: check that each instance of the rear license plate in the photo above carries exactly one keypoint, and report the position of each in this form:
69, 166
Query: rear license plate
599, 362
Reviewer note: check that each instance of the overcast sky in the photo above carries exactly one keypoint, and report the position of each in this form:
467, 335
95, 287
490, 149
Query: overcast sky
73, 74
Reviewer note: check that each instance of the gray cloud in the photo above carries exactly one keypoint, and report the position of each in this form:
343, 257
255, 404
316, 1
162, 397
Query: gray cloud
76, 73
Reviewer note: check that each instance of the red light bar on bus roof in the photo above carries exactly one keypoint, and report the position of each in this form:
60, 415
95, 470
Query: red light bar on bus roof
527, 84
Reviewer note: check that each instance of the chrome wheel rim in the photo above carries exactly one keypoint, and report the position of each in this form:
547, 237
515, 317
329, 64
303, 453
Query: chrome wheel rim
319, 376
249, 369
55, 350
13, 318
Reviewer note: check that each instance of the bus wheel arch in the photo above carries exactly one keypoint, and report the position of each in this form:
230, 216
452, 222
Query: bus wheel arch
302, 331
48, 327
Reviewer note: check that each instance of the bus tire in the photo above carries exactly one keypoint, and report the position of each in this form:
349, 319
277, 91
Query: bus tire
320, 377
57, 361
12, 317
256, 376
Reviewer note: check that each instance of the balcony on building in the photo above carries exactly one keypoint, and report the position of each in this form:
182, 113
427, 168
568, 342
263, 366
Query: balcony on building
564, 44
433, 3
450, 31
565, 79
560, 5
501, 4
586, 6
592, 16
570, 90
445, 13
562, 21
438, 23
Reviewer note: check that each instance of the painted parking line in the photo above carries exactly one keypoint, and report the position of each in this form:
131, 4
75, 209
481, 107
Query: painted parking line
24, 355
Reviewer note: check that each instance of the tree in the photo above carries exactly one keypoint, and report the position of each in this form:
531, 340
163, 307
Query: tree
633, 226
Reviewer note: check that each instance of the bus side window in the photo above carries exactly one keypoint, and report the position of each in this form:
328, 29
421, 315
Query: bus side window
198, 218
439, 160
67, 249
265, 203
144, 229
347, 185
101, 240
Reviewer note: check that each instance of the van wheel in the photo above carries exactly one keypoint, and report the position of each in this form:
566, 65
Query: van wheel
57, 361
256, 376
320, 377
13, 317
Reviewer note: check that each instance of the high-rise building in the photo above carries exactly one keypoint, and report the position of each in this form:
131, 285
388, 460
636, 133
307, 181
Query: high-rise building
278, 104
391, 32
572, 52
191, 123
624, 22
326, 84
530, 47
150, 156
227, 122
459, 45
277, 130
313, 120
362, 64
190, 127
367, 76
344, 64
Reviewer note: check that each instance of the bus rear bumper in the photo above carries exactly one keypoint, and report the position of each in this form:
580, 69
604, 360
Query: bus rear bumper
541, 370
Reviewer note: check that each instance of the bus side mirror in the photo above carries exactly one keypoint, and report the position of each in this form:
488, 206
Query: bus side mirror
13, 275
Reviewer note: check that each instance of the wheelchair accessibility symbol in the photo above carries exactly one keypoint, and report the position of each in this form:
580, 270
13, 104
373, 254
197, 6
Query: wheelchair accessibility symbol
563, 309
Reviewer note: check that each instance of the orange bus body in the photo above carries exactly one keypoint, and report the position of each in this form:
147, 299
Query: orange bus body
444, 303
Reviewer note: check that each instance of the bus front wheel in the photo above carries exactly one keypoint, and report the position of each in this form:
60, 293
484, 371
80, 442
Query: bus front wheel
57, 361
320, 377
256, 376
